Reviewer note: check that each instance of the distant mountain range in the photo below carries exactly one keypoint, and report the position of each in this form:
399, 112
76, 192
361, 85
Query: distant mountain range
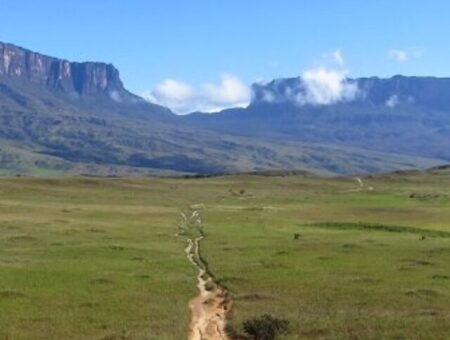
403, 115
61, 117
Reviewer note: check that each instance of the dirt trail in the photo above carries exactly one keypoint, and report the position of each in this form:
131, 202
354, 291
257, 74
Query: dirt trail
361, 186
360, 182
210, 308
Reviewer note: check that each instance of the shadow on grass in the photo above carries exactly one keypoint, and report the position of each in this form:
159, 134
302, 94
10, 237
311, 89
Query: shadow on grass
12, 294
379, 227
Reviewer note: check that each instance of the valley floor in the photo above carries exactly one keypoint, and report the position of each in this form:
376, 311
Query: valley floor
101, 259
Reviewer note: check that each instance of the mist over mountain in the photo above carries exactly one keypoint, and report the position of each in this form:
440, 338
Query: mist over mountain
58, 116
427, 92
407, 115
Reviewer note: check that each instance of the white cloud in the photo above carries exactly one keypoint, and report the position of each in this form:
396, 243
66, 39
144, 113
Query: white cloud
324, 86
229, 90
392, 101
318, 86
338, 57
405, 54
398, 55
172, 93
210, 97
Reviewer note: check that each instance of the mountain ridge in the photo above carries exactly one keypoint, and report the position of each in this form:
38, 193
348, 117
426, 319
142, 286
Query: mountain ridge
55, 122
405, 115
81, 78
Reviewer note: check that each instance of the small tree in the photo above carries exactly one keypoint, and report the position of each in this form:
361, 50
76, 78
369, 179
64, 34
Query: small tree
265, 327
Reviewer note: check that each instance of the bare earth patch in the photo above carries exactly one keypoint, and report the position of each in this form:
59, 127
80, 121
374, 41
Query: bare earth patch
210, 308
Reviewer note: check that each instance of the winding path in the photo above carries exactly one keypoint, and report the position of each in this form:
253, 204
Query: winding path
209, 309
361, 186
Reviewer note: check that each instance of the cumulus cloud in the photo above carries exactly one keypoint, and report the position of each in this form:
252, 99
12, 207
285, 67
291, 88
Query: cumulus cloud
324, 86
397, 55
172, 93
230, 90
315, 86
209, 97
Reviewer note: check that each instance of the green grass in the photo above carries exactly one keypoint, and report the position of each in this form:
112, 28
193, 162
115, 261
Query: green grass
99, 259
382, 227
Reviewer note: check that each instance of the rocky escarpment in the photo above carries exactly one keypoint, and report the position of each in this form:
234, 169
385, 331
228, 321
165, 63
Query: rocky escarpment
401, 115
71, 117
397, 91
84, 79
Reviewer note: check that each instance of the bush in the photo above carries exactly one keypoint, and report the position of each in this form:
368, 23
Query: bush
265, 327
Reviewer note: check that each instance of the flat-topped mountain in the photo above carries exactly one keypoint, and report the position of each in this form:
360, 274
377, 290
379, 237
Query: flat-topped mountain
58, 116
84, 79
404, 115
430, 92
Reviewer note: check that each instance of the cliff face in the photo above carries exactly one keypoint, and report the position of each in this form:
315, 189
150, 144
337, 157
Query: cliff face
429, 92
84, 79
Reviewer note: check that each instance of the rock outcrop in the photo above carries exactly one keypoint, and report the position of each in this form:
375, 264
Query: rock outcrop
84, 79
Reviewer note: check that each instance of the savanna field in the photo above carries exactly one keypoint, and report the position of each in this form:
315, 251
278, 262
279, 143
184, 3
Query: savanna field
100, 258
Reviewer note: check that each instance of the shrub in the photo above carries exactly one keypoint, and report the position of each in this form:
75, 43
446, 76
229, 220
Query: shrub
265, 327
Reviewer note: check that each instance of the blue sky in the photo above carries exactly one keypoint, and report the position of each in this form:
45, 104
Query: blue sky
201, 45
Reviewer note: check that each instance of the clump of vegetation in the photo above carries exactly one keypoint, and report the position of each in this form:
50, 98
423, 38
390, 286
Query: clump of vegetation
381, 227
265, 327
427, 196
241, 192
11, 294
210, 286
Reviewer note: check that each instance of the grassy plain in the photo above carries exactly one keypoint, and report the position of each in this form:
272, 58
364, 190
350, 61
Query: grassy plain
99, 259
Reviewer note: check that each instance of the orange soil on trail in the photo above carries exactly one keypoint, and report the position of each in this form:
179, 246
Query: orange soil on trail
210, 308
